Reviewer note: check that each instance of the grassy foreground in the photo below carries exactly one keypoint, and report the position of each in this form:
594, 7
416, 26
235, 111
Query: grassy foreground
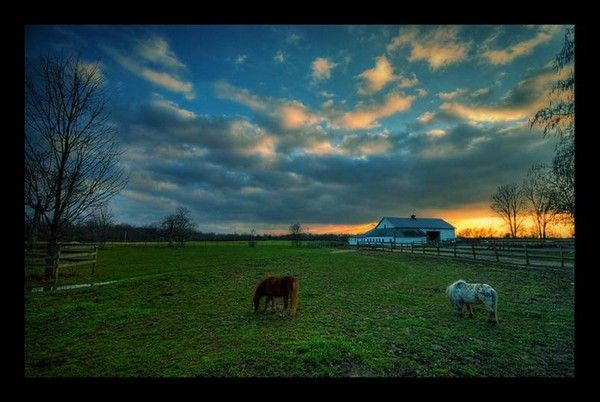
187, 312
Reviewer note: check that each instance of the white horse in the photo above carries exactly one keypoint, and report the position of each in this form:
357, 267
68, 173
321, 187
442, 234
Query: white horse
462, 293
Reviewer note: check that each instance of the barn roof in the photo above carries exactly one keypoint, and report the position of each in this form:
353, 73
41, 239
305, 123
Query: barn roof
418, 223
389, 232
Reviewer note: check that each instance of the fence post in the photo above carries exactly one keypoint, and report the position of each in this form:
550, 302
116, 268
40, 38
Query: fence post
438, 248
412, 247
473, 248
526, 256
455, 248
56, 265
562, 257
400, 247
423, 245
95, 260
496, 252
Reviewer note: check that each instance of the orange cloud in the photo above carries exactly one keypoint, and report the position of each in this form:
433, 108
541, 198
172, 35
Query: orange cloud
294, 116
491, 113
537, 86
264, 146
321, 148
366, 117
439, 47
321, 68
519, 49
377, 77
436, 133
426, 117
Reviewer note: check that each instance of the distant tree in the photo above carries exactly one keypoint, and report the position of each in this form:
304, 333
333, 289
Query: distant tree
178, 227
539, 193
71, 153
558, 118
509, 202
100, 225
252, 241
296, 232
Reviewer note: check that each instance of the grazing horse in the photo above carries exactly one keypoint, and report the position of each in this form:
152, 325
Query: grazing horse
462, 293
278, 286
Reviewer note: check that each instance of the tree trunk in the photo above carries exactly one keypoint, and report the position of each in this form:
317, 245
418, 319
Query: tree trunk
33, 230
51, 257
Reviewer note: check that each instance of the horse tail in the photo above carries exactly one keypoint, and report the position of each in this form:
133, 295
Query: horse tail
294, 297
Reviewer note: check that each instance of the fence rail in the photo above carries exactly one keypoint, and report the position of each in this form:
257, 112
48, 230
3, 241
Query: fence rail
68, 255
560, 255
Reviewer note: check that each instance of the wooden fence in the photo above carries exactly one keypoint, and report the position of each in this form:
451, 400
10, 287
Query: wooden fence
68, 255
514, 252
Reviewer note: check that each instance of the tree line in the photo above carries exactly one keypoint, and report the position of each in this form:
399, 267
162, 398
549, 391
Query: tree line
175, 229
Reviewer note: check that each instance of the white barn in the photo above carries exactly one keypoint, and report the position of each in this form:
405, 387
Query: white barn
406, 231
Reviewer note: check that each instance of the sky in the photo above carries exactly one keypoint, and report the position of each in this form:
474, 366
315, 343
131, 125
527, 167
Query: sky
332, 126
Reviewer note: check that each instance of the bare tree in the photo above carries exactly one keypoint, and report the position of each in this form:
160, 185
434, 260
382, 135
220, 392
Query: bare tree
539, 194
71, 153
558, 118
100, 223
296, 232
509, 202
178, 227
252, 241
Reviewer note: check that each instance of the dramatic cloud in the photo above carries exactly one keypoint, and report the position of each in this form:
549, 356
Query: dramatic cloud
156, 50
289, 114
163, 79
240, 173
519, 103
440, 47
330, 126
292, 114
507, 55
366, 117
321, 68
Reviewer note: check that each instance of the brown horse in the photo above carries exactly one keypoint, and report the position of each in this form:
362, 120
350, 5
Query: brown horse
277, 286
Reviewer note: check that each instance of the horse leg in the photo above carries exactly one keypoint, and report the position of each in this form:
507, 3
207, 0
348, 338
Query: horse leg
285, 302
255, 303
272, 304
470, 310
458, 308
266, 303
489, 306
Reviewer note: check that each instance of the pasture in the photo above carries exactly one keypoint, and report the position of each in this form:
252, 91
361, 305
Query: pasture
176, 312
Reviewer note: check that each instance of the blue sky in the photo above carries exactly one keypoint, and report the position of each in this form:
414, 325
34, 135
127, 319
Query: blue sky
332, 126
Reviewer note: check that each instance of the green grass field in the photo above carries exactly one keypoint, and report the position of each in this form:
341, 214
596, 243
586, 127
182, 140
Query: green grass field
187, 312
